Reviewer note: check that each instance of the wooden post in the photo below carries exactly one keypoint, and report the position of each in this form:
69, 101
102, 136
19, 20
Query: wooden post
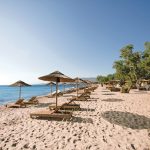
56, 92
19, 92
77, 87
51, 88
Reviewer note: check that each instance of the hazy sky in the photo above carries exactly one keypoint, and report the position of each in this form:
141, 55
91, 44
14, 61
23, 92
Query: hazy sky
77, 37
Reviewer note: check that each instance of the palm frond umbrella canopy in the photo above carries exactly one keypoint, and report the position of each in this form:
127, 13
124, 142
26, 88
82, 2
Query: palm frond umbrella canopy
51, 84
57, 77
20, 84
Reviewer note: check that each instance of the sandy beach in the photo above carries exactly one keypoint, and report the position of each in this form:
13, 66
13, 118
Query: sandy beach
108, 121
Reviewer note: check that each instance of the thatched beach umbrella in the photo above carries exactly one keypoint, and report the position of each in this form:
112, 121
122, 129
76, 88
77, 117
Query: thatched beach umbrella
20, 84
56, 77
88, 82
78, 80
51, 84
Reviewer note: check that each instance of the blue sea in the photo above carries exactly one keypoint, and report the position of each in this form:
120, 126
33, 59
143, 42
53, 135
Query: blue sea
11, 94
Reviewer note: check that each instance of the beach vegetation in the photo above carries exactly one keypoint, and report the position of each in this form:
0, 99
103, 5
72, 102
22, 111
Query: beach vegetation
132, 66
104, 79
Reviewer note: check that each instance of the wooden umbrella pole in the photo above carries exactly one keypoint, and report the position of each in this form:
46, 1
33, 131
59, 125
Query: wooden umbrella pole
20, 92
51, 89
56, 92
77, 89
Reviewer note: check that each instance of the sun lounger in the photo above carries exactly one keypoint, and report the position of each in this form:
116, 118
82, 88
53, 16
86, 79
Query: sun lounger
142, 88
87, 91
52, 114
86, 95
66, 106
54, 94
33, 100
49, 96
90, 89
79, 98
115, 89
59, 94
83, 97
18, 104
109, 87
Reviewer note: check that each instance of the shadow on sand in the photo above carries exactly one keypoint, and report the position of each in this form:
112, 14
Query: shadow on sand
92, 99
112, 100
94, 94
140, 92
81, 120
86, 109
108, 94
43, 105
127, 119
105, 91
71, 120
68, 95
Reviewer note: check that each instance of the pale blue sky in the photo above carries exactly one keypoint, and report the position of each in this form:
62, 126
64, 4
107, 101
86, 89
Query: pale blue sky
77, 37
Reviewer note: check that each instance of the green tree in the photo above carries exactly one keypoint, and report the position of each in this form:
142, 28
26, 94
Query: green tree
145, 63
103, 79
129, 66
111, 77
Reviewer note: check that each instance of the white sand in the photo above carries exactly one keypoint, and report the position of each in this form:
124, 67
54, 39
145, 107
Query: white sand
113, 122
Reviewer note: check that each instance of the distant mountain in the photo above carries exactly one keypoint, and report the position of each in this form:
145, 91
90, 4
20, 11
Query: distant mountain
93, 79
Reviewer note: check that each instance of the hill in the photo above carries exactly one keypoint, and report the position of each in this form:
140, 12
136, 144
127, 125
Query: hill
93, 79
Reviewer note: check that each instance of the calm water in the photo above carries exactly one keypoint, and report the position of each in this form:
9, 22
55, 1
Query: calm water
10, 94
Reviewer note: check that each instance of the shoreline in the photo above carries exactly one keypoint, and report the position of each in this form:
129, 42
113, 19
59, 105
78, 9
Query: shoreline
38, 96
110, 120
